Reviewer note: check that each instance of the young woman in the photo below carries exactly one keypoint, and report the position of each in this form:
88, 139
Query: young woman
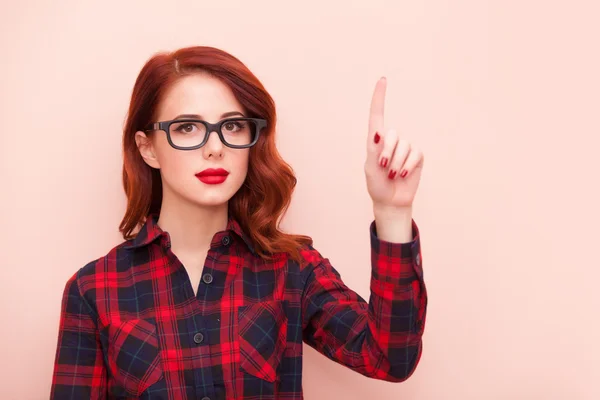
208, 299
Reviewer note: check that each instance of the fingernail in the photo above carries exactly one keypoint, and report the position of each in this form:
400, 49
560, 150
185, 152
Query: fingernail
392, 174
377, 137
383, 162
403, 174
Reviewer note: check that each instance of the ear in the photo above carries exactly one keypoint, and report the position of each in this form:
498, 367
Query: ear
146, 149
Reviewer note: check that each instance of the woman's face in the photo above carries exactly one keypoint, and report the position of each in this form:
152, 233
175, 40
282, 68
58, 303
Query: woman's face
200, 96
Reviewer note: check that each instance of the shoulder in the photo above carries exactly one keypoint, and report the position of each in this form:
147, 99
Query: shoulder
311, 259
310, 256
102, 270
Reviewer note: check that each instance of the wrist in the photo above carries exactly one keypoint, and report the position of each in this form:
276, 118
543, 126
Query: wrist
385, 212
394, 224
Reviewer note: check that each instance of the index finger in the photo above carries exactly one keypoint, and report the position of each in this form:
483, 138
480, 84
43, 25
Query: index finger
377, 105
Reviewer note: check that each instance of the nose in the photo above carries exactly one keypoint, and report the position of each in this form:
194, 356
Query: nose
214, 146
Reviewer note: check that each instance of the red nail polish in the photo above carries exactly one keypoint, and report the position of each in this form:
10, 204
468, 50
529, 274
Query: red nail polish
377, 137
403, 174
392, 174
384, 162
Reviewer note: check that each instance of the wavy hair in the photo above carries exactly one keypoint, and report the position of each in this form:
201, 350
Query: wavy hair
266, 193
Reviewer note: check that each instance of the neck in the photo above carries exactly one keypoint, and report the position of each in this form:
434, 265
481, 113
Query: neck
190, 226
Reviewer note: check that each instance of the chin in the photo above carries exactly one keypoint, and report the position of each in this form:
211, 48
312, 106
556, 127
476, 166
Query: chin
217, 198
208, 196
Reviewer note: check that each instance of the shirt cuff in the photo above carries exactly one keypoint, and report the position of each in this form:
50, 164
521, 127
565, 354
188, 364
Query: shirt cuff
396, 261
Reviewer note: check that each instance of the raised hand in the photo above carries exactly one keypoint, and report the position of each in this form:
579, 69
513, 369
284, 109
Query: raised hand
393, 166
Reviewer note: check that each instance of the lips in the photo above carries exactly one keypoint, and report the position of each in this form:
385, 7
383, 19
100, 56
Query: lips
213, 172
212, 176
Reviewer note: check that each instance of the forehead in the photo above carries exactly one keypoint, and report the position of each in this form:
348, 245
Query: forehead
199, 94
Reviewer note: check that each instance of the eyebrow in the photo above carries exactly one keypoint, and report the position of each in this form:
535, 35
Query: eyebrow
198, 116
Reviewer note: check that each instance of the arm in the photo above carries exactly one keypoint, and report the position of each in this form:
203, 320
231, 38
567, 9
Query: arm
381, 339
79, 371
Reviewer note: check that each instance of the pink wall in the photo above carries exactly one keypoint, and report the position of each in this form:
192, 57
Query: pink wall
503, 96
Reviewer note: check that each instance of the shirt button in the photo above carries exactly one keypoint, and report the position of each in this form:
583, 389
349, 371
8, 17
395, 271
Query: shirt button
198, 338
207, 278
226, 240
206, 398
418, 259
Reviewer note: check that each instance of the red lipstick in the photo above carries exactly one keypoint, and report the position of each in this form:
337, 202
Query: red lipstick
212, 176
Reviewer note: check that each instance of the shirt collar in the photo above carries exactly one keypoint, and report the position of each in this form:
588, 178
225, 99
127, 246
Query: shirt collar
150, 232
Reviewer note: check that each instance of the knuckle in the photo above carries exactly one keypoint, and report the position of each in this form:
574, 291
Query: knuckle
417, 154
391, 141
405, 144
392, 133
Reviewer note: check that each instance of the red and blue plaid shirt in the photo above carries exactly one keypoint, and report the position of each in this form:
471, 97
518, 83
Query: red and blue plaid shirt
131, 326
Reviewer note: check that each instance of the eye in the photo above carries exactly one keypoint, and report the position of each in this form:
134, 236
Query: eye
187, 128
184, 127
233, 126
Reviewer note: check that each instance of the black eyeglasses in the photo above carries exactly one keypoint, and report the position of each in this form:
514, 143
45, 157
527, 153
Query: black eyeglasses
191, 134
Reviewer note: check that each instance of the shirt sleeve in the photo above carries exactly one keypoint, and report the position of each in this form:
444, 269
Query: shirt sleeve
79, 369
381, 339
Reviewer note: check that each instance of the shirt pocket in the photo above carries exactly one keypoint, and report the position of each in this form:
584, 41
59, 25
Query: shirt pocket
263, 337
133, 355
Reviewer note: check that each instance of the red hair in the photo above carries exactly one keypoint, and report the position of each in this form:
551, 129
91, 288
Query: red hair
265, 195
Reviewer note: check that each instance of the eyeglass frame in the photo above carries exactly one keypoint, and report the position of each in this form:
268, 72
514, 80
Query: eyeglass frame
165, 126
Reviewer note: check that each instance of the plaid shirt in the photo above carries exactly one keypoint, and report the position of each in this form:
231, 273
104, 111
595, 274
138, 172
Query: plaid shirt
131, 326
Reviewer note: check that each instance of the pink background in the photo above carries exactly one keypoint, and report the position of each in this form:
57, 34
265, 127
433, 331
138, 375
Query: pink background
503, 96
